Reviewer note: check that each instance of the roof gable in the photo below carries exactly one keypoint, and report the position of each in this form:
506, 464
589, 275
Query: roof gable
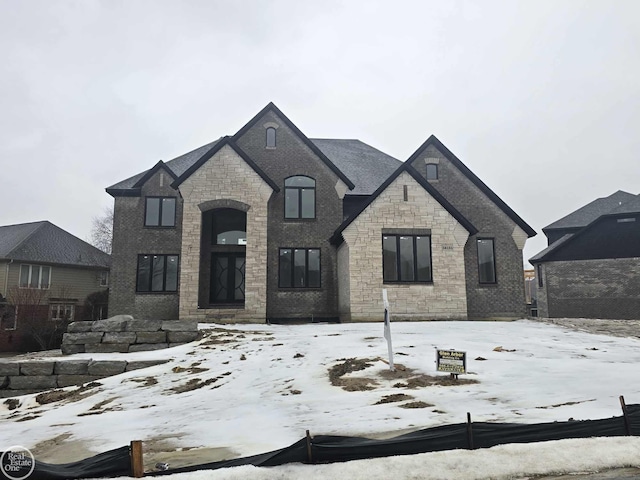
490, 194
47, 243
271, 107
336, 238
215, 149
150, 173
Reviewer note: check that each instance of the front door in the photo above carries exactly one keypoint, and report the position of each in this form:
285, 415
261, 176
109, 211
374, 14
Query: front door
227, 277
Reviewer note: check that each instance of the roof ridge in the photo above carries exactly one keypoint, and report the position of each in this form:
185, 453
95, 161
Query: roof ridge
42, 224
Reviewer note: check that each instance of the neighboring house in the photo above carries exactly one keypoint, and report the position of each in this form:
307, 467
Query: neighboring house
47, 273
591, 268
268, 224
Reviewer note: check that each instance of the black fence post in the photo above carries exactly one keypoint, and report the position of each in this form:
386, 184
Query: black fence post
469, 432
627, 424
309, 453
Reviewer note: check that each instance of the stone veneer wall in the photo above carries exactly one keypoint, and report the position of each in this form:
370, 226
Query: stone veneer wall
445, 298
21, 378
123, 334
225, 176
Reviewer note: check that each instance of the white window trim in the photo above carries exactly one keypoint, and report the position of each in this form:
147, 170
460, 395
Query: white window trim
61, 308
31, 265
100, 282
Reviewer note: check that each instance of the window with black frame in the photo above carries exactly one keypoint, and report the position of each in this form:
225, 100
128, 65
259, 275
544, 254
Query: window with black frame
406, 258
160, 212
486, 261
299, 198
299, 268
157, 273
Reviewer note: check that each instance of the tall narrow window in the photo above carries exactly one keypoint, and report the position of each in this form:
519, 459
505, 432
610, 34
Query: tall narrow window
406, 258
157, 273
539, 275
300, 197
299, 268
160, 212
486, 261
271, 137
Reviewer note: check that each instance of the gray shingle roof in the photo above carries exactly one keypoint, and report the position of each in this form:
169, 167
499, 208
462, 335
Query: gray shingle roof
587, 214
44, 242
551, 247
178, 165
364, 165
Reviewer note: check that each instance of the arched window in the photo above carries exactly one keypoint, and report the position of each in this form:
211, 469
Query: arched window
271, 137
299, 197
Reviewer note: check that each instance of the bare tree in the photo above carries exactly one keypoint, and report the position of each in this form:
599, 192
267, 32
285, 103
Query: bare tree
102, 230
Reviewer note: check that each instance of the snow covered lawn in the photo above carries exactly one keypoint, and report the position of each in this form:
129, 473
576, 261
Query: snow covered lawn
247, 389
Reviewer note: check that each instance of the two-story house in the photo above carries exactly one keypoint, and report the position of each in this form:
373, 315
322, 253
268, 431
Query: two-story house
269, 224
591, 268
47, 274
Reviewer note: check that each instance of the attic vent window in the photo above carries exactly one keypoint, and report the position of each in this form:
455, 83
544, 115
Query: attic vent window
432, 171
271, 137
626, 220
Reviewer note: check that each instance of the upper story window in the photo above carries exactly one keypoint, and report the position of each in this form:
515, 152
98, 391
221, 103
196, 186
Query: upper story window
486, 261
104, 278
35, 276
432, 171
271, 137
160, 212
229, 227
300, 197
406, 258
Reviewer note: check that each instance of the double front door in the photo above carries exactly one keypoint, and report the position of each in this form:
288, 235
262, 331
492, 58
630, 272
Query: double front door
227, 277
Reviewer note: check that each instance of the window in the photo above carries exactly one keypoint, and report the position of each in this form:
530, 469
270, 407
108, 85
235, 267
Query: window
406, 258
432, 171
299, 197
160, 212
35, 276
157, 273
229, 227
104, 278
299, 268
61, 311
486, 261
539, 275
271, 137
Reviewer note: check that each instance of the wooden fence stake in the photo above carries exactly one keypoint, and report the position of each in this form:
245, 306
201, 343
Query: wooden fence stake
309, 453
469, 432
627, 425
137, 464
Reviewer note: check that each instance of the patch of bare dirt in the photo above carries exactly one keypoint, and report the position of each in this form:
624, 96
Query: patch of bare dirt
396, 397
414, 380
145, 382
12, 403
415, 405
566, 404
194, 368
27, 418
352, 384
69, 395
193, 384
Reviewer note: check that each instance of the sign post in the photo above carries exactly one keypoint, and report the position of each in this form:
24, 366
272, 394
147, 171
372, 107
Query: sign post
387, 327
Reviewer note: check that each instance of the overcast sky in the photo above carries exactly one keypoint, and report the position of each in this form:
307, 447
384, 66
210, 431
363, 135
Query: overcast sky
541, 99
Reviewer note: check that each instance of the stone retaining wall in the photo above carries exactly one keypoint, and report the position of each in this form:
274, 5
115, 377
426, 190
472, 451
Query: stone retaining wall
21, 378
124, 334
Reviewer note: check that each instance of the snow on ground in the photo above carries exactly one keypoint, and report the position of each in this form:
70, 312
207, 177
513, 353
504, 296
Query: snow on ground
259, 387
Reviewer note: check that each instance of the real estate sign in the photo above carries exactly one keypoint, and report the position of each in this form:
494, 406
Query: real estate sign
451, 361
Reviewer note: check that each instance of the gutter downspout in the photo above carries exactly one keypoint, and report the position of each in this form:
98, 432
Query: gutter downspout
6, 278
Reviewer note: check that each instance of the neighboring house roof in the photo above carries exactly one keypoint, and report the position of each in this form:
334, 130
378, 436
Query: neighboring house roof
44, 242
591, 211
337, 238
366, 167
616, 205
432, 140
551, 248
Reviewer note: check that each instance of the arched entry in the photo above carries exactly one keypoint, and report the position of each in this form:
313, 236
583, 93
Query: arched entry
223, 257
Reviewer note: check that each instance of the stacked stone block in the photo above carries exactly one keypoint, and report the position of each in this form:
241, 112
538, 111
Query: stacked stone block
21, 378
124, 334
